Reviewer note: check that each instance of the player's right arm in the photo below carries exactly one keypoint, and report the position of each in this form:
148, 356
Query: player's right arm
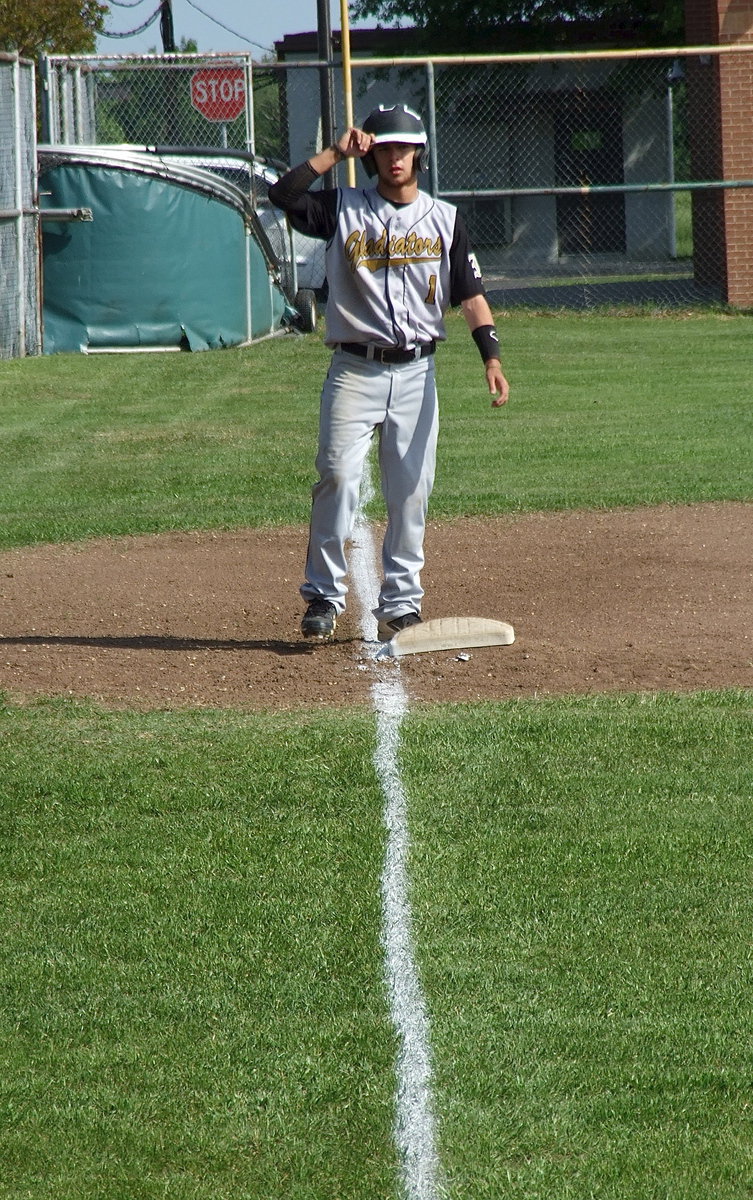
312, 213
467, 290
315, 213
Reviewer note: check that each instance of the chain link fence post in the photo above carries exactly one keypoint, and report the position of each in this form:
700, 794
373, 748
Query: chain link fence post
20, 315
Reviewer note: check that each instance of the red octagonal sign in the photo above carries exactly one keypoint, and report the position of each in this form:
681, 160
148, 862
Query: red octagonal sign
219, 93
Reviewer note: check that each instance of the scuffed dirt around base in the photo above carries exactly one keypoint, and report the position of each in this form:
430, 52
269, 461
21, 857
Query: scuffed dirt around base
639, 600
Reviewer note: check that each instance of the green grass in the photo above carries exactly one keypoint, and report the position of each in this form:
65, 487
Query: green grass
683, 203
192, 998
604, 412
192, 1004
105, 445
582, 895
191, 992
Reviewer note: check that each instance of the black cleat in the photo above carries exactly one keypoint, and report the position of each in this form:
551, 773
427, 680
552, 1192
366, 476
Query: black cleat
319, 620
386, 630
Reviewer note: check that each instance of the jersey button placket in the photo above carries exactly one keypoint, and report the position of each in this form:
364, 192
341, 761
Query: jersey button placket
395, 285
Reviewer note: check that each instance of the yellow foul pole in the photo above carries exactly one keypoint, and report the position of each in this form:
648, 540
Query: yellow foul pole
347, 83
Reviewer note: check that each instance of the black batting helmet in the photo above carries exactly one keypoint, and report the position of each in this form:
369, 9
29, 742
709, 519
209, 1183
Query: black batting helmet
396, 123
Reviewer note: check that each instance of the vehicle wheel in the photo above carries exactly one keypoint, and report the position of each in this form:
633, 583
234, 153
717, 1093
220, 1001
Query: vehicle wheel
305, 303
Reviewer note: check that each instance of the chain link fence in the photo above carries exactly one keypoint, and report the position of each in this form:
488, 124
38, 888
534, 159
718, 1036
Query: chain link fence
20, 325
584, 179
222, 112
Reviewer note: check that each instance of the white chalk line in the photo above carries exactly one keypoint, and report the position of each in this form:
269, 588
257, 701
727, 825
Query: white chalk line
414, 1115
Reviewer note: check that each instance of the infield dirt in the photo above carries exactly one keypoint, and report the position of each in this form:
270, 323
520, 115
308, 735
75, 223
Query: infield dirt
629, 600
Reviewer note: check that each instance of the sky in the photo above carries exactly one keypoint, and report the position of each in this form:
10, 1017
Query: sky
252, 25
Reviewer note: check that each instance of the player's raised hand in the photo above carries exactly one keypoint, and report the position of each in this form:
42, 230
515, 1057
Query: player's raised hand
355, 143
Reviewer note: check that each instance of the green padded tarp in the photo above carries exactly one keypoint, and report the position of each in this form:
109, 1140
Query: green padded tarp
162, 263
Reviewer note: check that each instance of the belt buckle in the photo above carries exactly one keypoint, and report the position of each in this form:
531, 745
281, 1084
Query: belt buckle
388, 354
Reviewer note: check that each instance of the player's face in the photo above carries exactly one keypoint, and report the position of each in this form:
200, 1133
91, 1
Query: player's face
395, 162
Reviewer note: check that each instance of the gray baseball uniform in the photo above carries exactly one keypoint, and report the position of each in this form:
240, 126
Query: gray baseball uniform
392, 271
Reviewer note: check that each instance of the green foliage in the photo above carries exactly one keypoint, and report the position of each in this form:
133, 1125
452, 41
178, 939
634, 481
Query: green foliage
475, 24
267, 121
51, 26
147, 105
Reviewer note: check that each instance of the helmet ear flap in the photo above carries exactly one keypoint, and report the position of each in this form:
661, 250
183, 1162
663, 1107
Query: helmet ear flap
422, 157
369, 165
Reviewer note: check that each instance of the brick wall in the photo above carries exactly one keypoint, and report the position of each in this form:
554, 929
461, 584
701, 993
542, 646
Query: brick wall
720, 112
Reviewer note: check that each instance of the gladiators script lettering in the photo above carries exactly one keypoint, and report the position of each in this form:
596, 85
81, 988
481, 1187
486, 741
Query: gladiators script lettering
376, 253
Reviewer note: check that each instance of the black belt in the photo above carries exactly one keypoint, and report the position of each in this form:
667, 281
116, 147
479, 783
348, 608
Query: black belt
385, 354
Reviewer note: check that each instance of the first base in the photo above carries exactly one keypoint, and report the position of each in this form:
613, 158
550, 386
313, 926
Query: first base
451, 633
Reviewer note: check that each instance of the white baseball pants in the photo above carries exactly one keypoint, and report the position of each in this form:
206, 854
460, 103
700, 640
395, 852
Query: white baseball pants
400, 401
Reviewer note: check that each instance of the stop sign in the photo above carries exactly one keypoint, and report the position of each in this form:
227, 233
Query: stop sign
219, 93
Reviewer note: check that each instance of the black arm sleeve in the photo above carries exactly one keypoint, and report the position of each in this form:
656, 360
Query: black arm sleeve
312, 213
465, 274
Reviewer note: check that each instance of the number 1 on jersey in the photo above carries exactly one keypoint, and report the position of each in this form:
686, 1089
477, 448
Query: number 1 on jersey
431, 295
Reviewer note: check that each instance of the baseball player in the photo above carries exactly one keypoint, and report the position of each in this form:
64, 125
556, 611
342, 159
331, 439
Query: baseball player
396, 258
